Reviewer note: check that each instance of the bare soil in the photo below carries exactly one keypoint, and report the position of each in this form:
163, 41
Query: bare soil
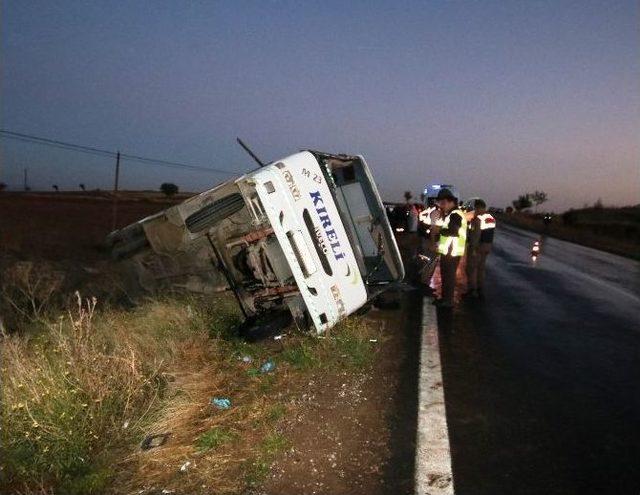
355, 433
67, 226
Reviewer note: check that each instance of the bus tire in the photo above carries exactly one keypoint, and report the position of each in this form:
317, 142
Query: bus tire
209, 215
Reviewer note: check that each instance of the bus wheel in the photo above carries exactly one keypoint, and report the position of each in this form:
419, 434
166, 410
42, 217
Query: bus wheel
207, 216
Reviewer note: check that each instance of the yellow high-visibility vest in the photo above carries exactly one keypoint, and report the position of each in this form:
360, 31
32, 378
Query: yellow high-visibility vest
453, 245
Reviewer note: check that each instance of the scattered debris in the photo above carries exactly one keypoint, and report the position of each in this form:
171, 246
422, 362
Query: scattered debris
185, 466
268, 366
221, 402
246, 359
153, 441
278, 337
373, 340
125, 425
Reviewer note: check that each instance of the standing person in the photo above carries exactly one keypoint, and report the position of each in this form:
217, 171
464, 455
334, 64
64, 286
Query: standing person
412, 217
451, 245
480, 242
430, 222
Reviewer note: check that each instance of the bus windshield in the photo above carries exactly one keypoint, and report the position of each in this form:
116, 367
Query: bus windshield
364, 218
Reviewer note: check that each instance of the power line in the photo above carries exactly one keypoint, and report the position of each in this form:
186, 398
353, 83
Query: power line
91, 150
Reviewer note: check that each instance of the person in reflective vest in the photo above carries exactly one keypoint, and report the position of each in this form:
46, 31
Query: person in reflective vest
451, 245
479, 244
430, 223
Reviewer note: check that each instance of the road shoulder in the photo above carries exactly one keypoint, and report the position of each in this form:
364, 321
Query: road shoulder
433, 453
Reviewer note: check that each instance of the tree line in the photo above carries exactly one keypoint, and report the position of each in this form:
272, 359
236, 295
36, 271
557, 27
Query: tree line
167, 188
527, 200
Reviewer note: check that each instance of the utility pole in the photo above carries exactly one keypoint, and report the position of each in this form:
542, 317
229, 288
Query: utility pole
115, 193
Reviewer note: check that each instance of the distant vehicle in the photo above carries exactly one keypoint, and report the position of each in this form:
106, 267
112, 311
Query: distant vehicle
535, 250
398, 215
547, 219
432, 190
305, 238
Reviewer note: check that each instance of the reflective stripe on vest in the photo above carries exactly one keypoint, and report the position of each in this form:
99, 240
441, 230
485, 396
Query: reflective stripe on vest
455, 244
487, 221
425, 215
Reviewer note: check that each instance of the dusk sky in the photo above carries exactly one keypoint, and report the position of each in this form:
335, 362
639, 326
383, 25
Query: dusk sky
495, 97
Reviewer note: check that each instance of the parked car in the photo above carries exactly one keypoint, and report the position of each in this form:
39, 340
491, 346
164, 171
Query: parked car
399, 215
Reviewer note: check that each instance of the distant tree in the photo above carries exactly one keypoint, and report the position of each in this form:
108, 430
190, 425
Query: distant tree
3, 186
169, 189
538, 197
408, 195
56, 188
598, 204
509, 210
523, 202
82, 186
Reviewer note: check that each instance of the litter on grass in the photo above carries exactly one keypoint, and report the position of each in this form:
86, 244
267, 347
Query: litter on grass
153, 441
268, 366
221, 402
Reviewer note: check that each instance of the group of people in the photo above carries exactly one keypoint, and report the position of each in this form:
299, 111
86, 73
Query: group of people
451, 233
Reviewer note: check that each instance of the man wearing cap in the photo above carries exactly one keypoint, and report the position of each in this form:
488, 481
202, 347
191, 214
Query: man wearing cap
479, 244
451, 245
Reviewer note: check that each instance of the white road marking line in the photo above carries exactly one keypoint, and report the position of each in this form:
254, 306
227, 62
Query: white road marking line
433, 453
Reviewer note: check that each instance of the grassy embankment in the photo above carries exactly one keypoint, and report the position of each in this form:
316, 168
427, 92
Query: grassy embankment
83, 387
616, 230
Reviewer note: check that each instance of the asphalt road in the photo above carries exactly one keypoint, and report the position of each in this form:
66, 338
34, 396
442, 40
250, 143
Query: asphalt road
542, 380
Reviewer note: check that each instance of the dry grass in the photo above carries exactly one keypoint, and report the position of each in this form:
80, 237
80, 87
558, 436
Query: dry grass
79, 397
87, 385
250, 427
28, 292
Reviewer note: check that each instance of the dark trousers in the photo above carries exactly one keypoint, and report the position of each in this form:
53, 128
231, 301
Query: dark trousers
448, 269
